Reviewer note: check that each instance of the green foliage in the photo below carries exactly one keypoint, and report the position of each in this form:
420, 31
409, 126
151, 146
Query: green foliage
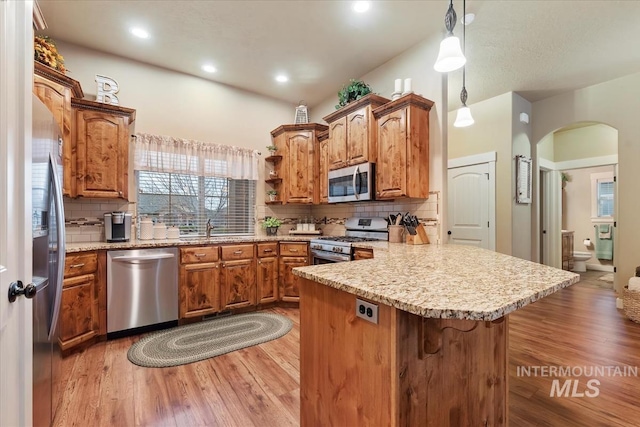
272, 192
272, 148
353, 91
271, 221
565, 177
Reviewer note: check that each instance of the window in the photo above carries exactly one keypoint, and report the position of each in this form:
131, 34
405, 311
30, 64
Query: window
189, 201
602, 192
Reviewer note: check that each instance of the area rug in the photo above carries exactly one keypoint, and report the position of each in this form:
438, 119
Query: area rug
199, 341
606, 277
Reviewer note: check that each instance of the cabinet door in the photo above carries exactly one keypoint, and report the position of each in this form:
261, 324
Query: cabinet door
362, 253
57, 98
391, 176
79, 320
324, 171
338, 144
238, 284
102, 142
199, 288
301, 167
358, 137
267, 280
289, 287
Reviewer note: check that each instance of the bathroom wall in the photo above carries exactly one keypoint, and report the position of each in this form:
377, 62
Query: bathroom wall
576, 212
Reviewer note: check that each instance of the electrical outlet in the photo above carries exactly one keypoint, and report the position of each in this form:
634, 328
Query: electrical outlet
367, 311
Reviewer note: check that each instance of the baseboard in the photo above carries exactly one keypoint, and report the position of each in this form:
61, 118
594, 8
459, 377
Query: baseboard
600, 267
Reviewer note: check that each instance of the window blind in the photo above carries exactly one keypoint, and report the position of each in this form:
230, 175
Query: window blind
605, 198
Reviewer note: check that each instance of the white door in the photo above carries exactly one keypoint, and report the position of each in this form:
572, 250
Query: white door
16, 82
468, 205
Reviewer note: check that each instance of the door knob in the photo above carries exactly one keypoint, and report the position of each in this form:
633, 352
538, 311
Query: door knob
17, 288
449, 232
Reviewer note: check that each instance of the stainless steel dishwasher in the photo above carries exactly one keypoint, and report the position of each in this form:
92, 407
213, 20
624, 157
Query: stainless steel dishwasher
142, 288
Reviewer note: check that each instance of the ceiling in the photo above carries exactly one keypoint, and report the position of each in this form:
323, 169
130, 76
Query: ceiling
536, 48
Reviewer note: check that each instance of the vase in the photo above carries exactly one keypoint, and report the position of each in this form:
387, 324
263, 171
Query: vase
272, 197
272, 231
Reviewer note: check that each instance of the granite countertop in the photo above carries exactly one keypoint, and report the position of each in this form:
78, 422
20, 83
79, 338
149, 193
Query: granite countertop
146, 244
442, 281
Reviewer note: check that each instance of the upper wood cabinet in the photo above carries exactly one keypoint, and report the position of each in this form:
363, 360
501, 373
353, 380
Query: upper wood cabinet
352, 133
402, 169
299, 168
323, 176
102, 146
55, 90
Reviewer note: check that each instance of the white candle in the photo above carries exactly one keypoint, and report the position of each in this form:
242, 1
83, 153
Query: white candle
407, 85
398, 85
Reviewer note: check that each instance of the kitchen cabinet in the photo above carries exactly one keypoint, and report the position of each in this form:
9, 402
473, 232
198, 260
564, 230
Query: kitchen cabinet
267, 273
83, 307
299, 168
101, 134
237, 277
55, 90
362, 253
292, 254
402, 169
352, 133
323, 154
199, 283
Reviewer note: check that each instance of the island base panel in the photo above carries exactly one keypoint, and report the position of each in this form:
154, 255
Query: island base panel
405, 371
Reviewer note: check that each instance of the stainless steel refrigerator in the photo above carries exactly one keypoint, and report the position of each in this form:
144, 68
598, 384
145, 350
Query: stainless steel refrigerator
48, 261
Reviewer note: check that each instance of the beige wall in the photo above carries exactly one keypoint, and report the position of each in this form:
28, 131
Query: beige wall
615, 104
545, 147
585, 142
576, 212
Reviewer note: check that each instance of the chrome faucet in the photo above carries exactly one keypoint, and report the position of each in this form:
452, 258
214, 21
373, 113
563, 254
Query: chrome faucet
209, 228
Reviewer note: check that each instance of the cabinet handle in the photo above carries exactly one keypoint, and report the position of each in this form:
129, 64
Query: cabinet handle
199, 255
237, 252
268, 250
120, 193
293, 250
259, 262
77, 265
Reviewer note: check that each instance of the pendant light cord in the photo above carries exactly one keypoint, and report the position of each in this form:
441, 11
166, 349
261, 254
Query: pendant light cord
463, 94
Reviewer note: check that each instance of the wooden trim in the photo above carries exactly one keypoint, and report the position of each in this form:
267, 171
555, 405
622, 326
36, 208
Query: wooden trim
402, 102
370, 99
303, 126
39, 22
101, 283
322, 135
49, 73
86, 104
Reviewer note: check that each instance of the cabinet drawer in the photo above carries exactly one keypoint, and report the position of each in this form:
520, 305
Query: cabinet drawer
293, 249
237, 252
201, 254
267, 249
79, 264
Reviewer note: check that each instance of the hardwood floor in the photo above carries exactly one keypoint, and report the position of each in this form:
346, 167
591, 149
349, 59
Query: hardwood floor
259, 386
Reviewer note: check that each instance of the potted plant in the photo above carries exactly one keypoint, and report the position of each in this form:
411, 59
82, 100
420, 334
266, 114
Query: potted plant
353, 91
272, 195
272, 149
271, 224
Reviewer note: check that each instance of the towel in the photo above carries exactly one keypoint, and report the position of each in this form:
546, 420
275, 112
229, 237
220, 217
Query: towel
604, 246
634, 284
604, 231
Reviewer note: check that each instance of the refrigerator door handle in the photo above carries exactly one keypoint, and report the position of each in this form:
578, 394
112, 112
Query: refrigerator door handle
59, 211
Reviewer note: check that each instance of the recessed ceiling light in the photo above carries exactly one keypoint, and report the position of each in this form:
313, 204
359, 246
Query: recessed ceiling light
361, 6
282, 78
468, 18
139, 32
209, 68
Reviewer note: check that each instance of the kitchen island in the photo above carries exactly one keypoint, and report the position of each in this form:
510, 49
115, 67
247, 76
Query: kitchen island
438, 354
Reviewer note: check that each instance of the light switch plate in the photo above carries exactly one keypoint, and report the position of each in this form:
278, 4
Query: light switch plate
367, 311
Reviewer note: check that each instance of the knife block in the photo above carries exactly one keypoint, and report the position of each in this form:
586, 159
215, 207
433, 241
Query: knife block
420, 238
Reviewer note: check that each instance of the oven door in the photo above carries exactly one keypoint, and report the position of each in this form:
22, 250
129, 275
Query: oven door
351, 184
326, 257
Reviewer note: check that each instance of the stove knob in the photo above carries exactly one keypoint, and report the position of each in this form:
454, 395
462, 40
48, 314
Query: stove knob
339, 250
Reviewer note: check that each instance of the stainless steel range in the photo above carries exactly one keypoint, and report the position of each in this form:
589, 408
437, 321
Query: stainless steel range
331, 249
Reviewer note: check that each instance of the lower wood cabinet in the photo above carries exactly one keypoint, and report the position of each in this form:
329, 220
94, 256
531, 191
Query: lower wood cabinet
267, 280
362, 253
238, 284
199, 288
81, 315
289, 288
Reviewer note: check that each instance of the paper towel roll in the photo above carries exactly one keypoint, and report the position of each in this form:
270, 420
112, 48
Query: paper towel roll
634, 284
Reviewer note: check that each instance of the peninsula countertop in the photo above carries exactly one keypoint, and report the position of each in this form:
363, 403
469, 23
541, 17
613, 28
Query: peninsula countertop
442, 281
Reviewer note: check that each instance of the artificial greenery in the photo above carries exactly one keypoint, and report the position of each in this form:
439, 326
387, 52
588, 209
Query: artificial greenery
272, 192
45, 51
565, 177
271, 222
272, 148
353, 91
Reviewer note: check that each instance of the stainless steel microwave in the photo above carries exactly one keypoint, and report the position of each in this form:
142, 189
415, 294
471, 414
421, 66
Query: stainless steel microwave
352, 184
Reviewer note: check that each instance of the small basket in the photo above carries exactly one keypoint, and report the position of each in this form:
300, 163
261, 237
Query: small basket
631, 300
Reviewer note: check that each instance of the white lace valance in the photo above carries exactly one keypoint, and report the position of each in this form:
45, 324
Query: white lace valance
157, 153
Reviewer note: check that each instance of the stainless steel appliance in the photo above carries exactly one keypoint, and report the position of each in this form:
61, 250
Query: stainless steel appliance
352, 184
329, 249
142, 288
47, 218
117, 227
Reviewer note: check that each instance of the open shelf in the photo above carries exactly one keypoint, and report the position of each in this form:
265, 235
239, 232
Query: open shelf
273, 159
273, 180
276, 202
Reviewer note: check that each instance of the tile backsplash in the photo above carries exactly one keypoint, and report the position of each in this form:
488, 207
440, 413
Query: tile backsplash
84, 218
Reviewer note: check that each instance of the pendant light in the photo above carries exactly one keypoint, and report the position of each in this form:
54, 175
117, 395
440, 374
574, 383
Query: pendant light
450, 56
464, 118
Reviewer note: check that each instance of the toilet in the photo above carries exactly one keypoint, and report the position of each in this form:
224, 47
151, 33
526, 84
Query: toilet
580, 261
